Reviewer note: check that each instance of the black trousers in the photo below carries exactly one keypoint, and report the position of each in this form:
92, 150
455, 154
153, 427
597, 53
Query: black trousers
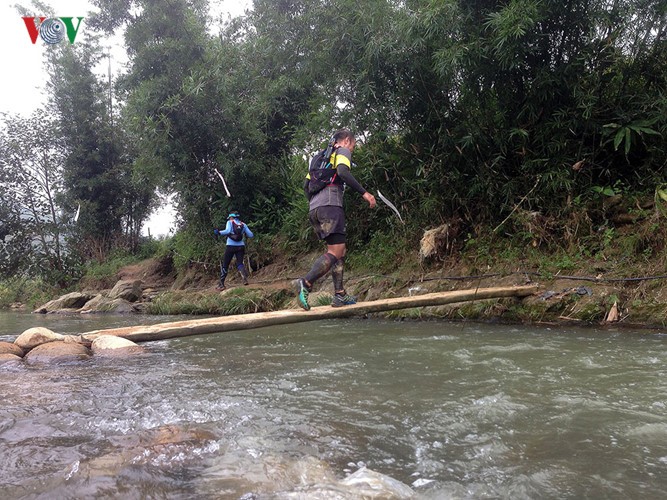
232, 251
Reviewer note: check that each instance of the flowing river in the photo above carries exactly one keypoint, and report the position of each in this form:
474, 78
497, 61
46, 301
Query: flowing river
451, 410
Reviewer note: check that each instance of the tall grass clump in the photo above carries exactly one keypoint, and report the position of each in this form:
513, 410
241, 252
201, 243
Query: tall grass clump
30, 292
236, 301
104, 273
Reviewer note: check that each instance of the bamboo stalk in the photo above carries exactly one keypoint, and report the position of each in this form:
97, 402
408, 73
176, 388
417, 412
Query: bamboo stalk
143, 333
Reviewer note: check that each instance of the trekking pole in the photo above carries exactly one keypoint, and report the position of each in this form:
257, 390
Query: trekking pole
217, 239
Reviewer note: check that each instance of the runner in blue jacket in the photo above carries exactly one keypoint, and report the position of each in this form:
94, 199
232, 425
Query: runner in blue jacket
235, 230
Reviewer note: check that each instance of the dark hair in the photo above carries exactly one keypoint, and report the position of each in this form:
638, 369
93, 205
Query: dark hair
342, 134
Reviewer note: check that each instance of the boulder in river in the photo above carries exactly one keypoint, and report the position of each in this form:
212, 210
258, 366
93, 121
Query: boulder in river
11, 348
38, 335
67, 303
9, 358
168, 446
111, 345
58, 352
102, 304
129, 290
370, 484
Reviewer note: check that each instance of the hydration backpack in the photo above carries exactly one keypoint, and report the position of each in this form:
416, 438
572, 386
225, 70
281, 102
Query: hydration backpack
237, 231
321, 172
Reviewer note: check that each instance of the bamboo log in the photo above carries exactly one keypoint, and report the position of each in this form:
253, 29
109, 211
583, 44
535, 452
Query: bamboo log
222, 324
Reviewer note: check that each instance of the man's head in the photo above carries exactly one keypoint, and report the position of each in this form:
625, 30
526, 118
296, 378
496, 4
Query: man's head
344, 138
233, 215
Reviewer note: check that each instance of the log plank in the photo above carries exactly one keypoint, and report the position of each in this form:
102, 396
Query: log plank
220, 324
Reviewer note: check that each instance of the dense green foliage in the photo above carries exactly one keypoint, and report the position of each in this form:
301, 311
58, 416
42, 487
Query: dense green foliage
30, 181
99, 182
517, 115
464, 106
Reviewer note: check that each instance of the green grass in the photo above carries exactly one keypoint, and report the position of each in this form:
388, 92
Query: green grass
236, 301
30, 292
107, 271
322, 300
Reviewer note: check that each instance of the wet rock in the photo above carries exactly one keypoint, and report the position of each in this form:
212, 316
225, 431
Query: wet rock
312, 478
111, 345
102, 304
165, 446
168, 434
140, 307
57, 352
95, 304
276, 476
9, 358
11, 348
371, 484
68, 302
129, 290
33, 337
76, 339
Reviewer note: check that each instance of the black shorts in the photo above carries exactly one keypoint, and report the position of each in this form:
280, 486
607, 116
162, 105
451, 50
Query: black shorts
329, 224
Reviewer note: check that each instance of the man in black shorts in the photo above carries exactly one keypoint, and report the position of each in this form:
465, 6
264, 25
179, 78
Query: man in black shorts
328, 219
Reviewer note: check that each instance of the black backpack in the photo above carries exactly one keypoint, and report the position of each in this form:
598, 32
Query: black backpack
321, 170
237, 231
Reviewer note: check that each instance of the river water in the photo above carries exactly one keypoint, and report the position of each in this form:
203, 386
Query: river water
452, 410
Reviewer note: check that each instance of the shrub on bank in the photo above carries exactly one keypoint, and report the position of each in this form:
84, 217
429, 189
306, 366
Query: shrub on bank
104, 273
27, 291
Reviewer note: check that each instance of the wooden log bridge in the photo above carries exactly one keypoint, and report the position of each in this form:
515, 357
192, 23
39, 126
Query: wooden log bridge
221, 324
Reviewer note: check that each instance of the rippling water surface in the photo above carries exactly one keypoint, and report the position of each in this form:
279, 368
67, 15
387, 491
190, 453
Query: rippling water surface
451, 410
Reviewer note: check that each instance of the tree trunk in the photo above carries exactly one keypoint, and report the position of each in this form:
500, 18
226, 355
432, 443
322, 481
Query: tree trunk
257, 320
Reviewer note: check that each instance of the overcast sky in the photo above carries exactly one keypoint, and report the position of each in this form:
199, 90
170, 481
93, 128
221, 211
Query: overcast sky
24, 74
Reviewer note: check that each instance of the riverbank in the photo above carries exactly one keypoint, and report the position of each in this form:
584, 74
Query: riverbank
582, 293
572, 289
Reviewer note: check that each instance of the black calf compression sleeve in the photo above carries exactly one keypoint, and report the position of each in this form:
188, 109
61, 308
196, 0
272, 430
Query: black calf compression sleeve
337, 275
320, 267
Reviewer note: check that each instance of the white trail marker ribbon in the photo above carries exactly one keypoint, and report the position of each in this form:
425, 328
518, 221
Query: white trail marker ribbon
390, 205
223, 182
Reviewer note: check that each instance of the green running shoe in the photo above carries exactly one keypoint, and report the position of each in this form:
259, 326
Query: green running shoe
343, 300
303, 291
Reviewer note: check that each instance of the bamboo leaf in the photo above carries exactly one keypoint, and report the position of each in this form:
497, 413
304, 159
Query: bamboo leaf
645, 130
618, 138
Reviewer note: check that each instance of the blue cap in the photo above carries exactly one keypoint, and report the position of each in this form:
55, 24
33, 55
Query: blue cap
233, 215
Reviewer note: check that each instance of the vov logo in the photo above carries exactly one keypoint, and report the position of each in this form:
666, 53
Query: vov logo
53, 29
